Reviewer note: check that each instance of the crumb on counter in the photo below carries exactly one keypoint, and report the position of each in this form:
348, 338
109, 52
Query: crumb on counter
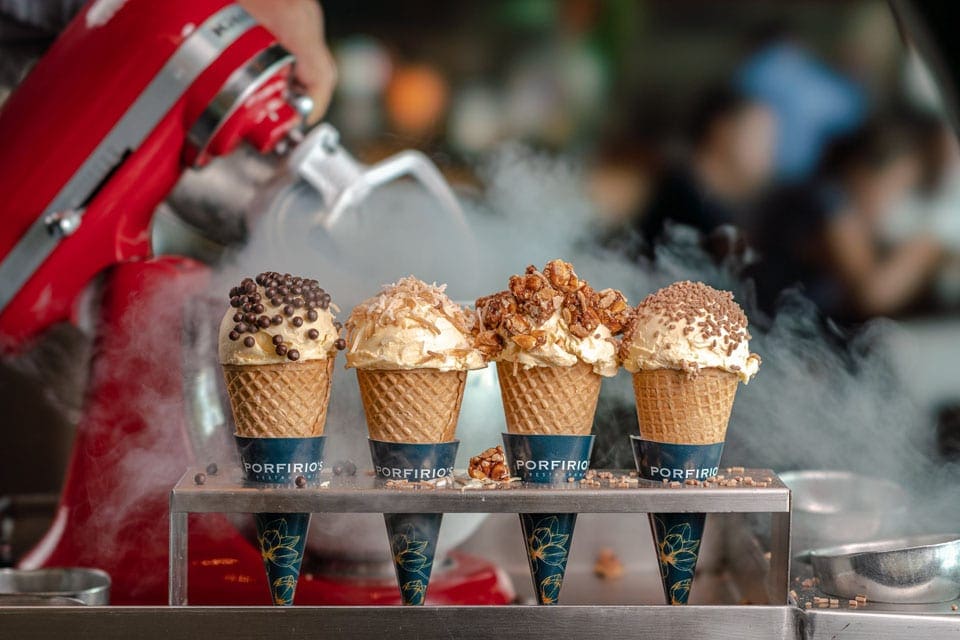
608, 565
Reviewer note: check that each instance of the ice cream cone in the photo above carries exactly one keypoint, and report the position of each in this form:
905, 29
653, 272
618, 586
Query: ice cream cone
277, 343
549, 400
674, 407
280, 400
688, 349
683, 423
414, 406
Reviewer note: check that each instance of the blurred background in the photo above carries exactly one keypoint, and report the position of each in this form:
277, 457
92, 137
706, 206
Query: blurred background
795, 152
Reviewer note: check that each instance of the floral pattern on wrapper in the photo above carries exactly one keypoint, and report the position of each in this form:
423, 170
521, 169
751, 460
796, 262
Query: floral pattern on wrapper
409, 556
548, 547
281, 538
678, 548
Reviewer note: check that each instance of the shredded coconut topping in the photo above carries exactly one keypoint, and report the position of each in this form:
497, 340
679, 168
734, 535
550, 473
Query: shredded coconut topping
401, 301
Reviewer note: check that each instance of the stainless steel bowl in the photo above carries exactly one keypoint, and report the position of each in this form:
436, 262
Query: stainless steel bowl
840, 507
55, 586
911, 570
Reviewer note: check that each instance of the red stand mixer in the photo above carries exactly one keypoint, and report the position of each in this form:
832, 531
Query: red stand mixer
92, 141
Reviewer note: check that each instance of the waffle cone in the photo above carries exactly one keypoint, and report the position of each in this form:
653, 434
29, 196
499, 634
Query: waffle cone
280, 400
412, 406
549, 400
673, 407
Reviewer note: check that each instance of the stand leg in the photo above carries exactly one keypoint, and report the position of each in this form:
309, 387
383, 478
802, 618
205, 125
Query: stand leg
178, 559
778, 586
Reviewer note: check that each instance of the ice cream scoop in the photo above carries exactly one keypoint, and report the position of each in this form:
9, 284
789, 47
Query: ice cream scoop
690, 327
412, 325
277, 318
553, 319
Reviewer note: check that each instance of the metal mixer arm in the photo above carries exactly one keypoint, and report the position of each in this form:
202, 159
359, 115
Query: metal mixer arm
344, 182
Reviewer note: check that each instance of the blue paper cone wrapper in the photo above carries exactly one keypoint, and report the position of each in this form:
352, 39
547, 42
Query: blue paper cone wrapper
547, 459
280, 460
413, 536
411, 461
281, 537
676, 536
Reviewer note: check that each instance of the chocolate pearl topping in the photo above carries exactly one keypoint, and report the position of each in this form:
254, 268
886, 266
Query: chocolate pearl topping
284, 294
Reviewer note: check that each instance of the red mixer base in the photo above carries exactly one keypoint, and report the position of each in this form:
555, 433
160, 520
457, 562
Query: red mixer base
228, 571
469, 580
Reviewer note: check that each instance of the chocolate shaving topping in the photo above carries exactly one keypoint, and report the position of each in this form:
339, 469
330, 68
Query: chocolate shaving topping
713, 315
533, 298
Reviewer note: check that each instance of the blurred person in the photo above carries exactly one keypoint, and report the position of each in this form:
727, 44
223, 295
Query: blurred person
825, 235
813, 102
730, 161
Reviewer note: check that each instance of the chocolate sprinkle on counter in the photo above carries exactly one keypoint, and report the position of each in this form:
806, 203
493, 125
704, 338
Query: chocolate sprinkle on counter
340, 344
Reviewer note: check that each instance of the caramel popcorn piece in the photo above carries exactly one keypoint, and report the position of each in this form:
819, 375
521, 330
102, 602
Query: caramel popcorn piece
534, 297
489, 465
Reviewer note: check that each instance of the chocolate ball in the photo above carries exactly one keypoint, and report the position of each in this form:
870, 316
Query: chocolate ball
249, 341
